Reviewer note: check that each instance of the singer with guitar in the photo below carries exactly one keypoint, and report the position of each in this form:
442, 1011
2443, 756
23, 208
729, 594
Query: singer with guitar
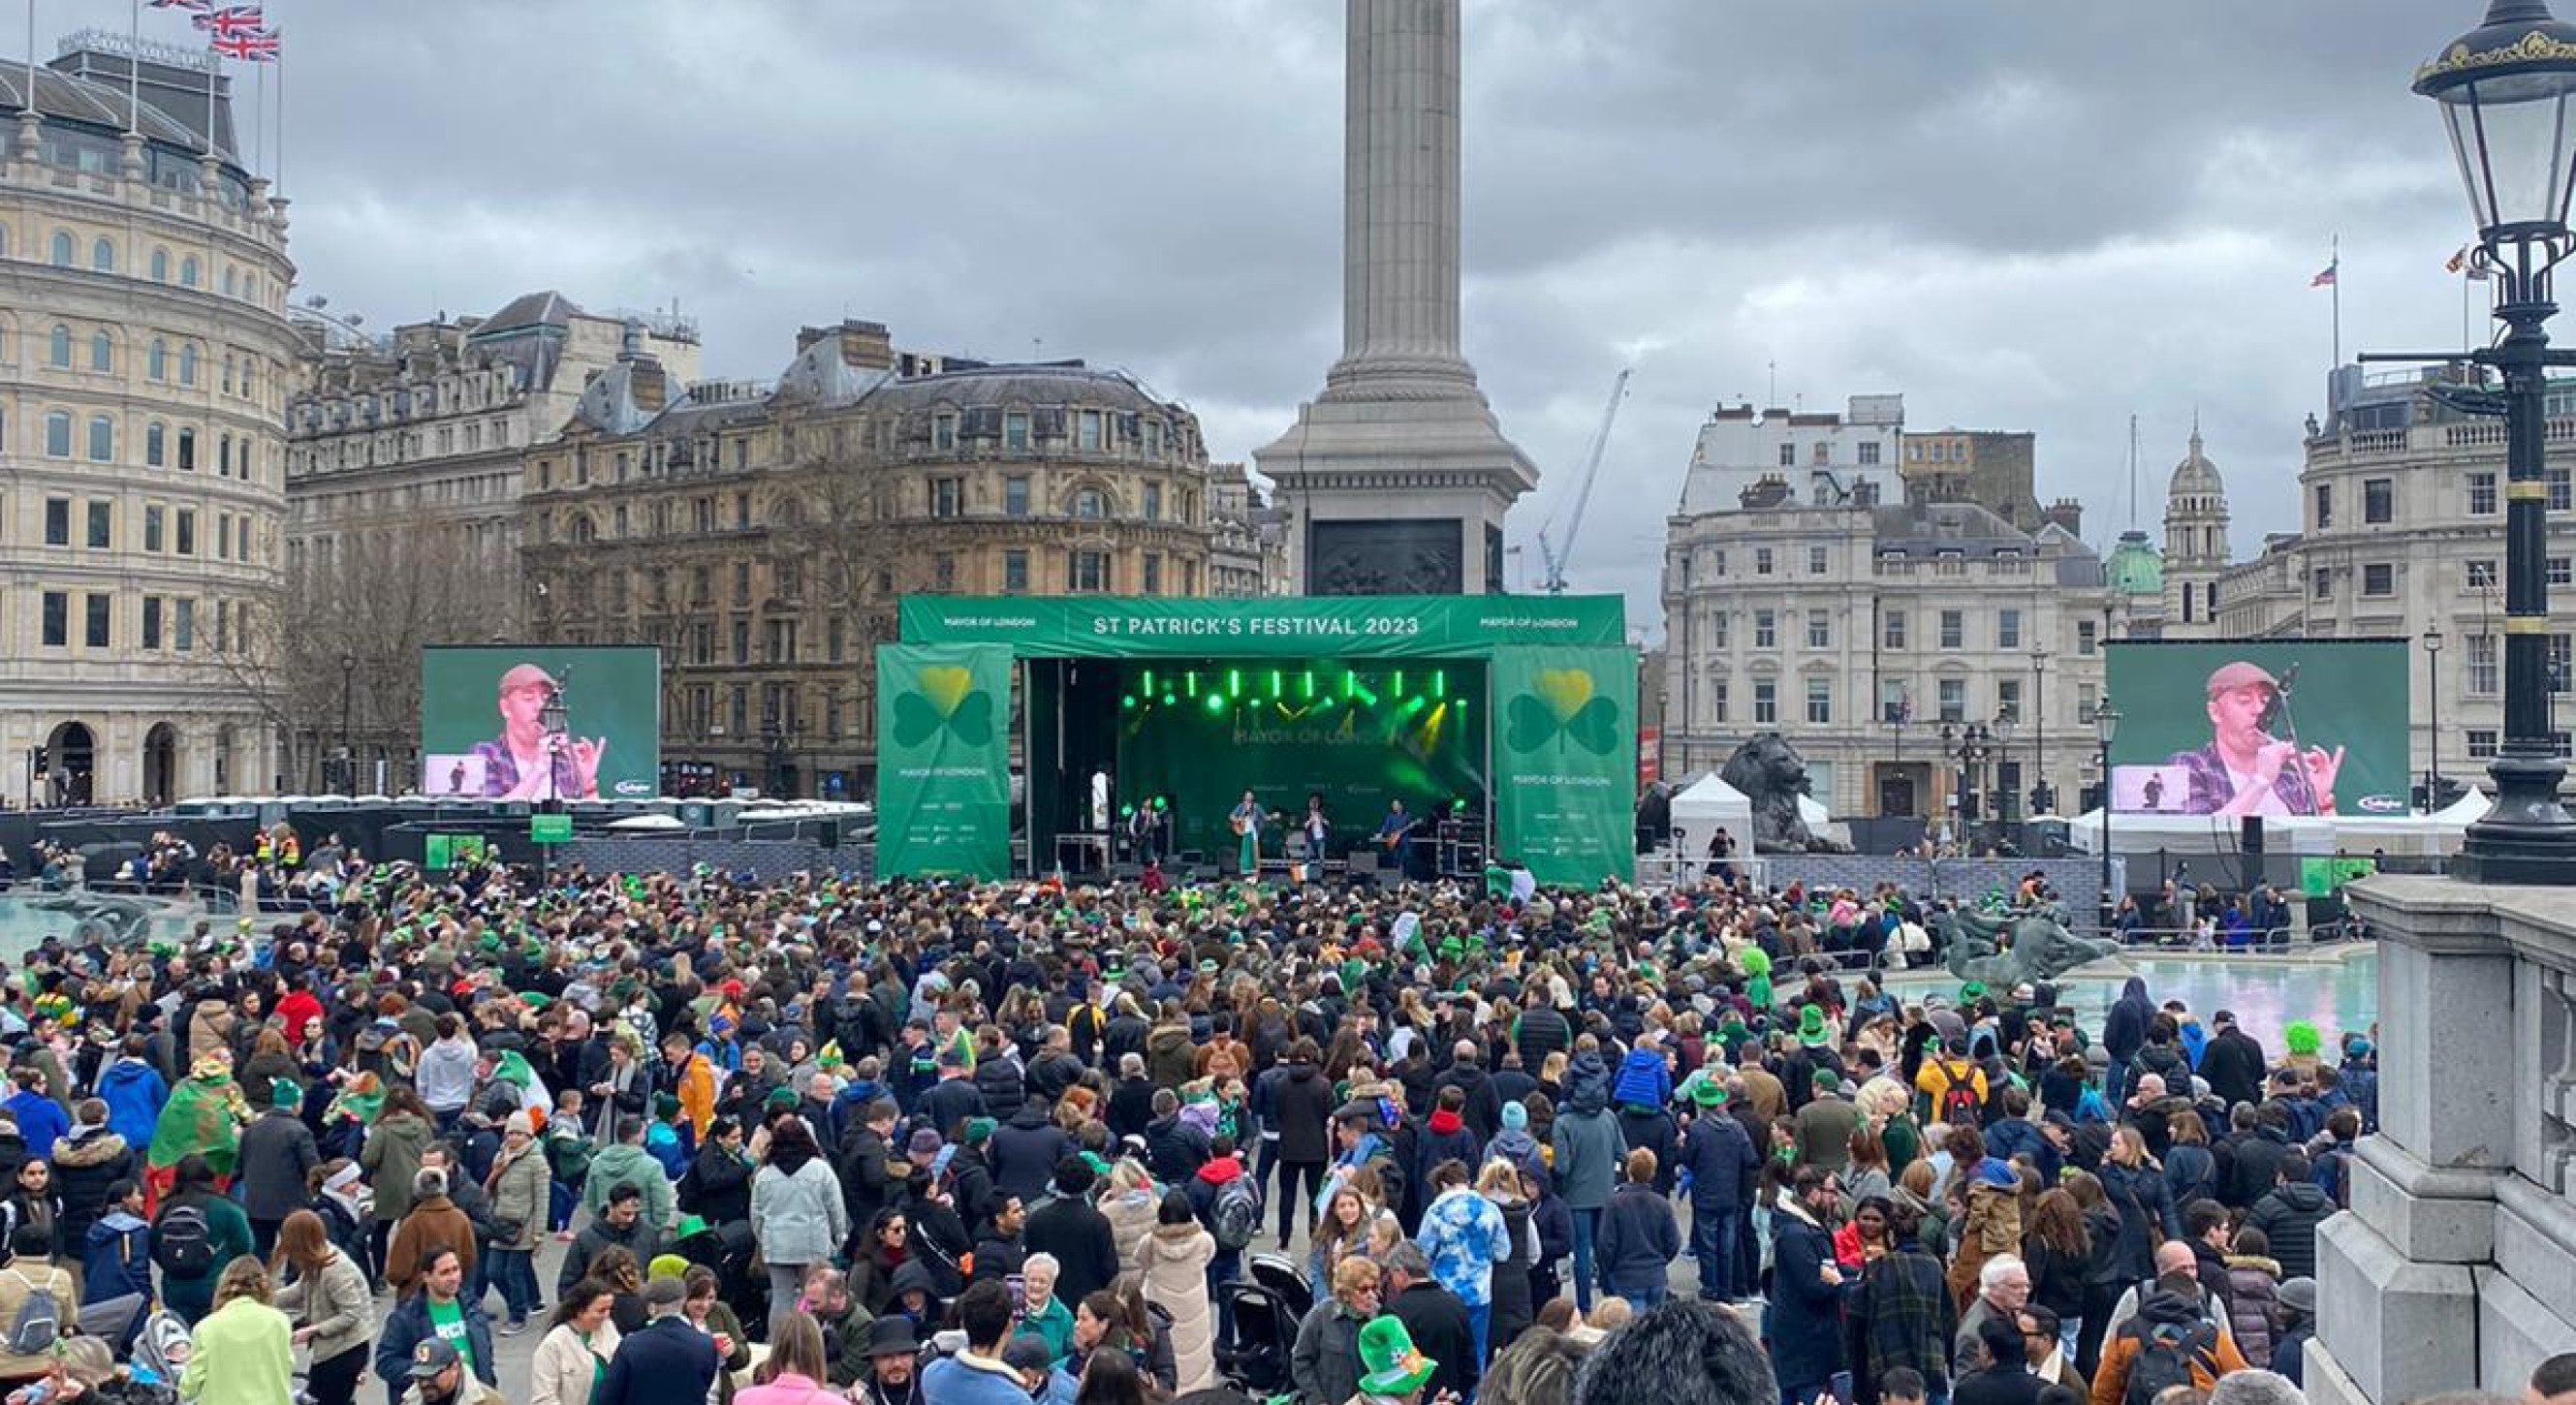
2245, 769
1395, 836
1247, 819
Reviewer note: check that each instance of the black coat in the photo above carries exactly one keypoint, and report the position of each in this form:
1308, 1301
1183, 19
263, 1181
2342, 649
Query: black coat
1301, 1106
1004, 1090
1078, 1235
2015, 1386
2233, 1064
949, 1103
277, 1149
719, 1186
668, 1363
1804, 1319
1024, 1151
2257, 1167
1131, 1107
1437, 1322
1723, 1165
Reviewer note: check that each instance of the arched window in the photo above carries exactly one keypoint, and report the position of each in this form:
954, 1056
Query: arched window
188, 364
102, 352
160, 265
1089, 505
157, 361
187, 449
58, 434
223, 456
156, 437
582, 531
228, 373
232, 281
62, 248
58, 347
188, 271
102, 256
102, 439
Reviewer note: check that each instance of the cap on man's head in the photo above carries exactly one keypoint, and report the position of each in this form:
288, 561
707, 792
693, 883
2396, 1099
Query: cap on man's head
432, 1356
2241, 674
665, 1292
526, 675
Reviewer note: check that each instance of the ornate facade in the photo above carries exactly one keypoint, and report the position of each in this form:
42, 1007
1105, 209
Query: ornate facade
145, 357
761, 534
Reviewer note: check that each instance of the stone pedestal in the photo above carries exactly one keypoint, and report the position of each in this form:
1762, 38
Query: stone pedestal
2456, 1267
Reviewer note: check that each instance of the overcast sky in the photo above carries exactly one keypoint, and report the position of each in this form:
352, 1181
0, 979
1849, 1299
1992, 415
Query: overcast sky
2023, 214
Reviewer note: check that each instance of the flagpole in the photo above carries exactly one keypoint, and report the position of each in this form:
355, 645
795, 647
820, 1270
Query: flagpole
134, 70
2336, 263
278, 176
259, 117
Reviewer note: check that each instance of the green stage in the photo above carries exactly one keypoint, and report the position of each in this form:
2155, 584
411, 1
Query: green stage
1523, 708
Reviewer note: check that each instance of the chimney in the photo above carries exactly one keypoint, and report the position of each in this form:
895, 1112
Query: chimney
630, 340
866, 346
2066, 513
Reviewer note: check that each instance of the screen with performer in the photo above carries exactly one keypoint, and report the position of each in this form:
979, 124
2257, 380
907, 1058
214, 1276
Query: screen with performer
540, 722
2271, 727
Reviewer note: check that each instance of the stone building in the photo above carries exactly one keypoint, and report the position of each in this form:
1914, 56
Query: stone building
1248, 553
1825, 457
761, 534
145, 358
1991, 468
403, 464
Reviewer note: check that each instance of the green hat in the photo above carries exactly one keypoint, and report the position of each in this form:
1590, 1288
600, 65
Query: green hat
1394, 1366
979, 1129
690, 1226
1709, 1093
1811, 1025
666, 1105
283, 1093
781, 1096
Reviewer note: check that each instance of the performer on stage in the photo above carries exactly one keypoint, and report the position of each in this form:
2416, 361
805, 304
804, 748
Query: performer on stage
1395, 836
1316, 827
1247, 824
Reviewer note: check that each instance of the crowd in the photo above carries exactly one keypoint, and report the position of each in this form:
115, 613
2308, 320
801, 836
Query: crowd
956, 1144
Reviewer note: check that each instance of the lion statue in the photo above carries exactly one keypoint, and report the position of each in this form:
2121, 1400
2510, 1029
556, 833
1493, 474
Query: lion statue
1772, 775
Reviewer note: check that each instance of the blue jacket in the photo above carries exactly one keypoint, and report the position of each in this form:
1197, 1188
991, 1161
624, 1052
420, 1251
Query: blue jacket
669, 1362
134, 1092
1644, 1081
407, 1326
41, 1122
1718, 1153
117, 1259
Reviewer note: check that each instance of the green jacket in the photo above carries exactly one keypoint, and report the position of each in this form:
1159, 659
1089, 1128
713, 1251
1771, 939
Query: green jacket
624, 1163
240, 1356
227, 1229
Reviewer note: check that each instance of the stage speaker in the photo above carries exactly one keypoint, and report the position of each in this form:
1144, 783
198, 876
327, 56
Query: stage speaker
2251, 834
1364, 863
1193, 858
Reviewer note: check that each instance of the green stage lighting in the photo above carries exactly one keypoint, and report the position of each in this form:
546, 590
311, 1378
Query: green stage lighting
1414, 704
1310, 682
1399, 682
1275, 689
1149, 682
1234, 681
1350, 685
1458, 703
1216, 702
1128, 702
1440, 683
1192, 679
1168, 700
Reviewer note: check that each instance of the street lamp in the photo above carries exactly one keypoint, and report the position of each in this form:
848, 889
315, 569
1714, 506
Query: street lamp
2433, 688
348, 758
2507, 91
1967, 746
2106, 726
2040, 795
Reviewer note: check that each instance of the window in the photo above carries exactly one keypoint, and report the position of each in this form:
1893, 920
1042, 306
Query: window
2482, 743
58, 347
1954, 630
102, 439
947, 497
943, 432
58, 521
2482, 494
1015, 572
1951, 697
1788, 456
2379, 500
1895, 700
224, 458
155, 523
156, 363
1761, 560
62, 249
1087, 571
58, 434
1015, 495
189, 273
1717, 691
183, 625
1090, 505
187, 450
2378, 579
2085, 636
155, 443
1823, 456
742, 641
2478, 669
2008, 629
1766, 629
742, 582
152, 622
2325, 506
2559, 681
2559, 573
1717, 629
1820, 629
160, 265
1820, 701
1015, 430
1151, 582
1869, 453
188, 363
102, 526
2560, 492
223, 536
1766, 697
95, 611
102, 352
185, 532
2481, 574
2008, 699
1815, 560
1891, 630
1153, 501
742, 510
943, 571
57, 624
1086, 431
2322, 587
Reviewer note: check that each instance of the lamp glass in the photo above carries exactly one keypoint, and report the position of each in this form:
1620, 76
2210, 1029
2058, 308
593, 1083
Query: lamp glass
2106, 722
2511, 136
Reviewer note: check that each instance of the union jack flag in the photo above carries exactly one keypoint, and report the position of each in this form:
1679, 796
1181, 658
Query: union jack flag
229, 20
257, 46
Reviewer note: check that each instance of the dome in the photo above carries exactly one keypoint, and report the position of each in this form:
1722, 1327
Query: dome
2135, 567
2195, 476
1071, 384
89, 103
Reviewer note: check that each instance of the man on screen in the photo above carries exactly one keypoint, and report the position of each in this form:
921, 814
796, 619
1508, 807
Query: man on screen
529, 761
2245, 770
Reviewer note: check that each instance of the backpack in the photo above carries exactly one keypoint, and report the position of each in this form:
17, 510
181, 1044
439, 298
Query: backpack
1959, 1106
2166, 1353
1234, 1217
183, 1244
38, 1323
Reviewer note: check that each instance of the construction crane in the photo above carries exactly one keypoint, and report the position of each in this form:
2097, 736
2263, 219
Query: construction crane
1553, 549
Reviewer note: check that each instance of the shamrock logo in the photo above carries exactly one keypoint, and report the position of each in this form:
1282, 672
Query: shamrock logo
1561, 704
943, 696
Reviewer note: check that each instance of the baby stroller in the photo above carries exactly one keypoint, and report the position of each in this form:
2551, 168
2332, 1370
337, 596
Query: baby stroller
728, 1250
160, 1352
1259, 1332
1286, 1279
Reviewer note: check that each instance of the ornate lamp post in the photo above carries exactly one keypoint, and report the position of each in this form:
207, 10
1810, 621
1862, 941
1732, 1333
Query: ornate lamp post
2433, 689
2106, 727
2507, 91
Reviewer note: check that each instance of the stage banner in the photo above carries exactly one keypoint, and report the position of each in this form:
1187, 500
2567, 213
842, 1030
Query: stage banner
1565, 762
943, 760
1339, 627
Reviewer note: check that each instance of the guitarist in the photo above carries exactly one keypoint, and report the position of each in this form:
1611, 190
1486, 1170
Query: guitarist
1246, 820
1395, 836
1316, 828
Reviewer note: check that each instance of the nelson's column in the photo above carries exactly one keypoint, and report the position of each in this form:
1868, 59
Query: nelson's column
1395, 480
